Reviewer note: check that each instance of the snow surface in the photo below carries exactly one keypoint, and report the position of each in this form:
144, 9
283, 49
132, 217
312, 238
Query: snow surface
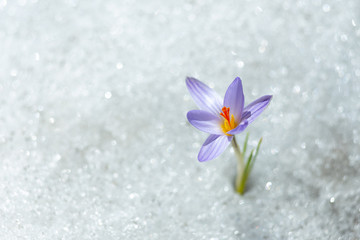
94, 142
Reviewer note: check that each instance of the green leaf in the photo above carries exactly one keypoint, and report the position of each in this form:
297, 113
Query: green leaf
257, 152
245, 143
248, 167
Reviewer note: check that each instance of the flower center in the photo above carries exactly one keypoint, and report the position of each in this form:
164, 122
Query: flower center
229, 121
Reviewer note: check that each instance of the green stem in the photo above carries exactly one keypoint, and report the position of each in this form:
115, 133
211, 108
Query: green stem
240, 187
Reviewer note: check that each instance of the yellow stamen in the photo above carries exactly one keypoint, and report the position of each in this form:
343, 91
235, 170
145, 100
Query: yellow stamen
232, 122
229, 122
226, 125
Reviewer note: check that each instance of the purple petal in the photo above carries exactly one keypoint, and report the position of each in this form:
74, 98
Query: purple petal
205, 121
241, 127
213, 147
254, 109
206, 98
234, 99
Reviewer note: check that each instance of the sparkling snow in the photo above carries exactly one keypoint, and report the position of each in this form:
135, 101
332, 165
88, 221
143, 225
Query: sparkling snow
94, 141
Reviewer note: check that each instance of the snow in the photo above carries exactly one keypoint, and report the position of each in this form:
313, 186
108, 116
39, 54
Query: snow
94, 141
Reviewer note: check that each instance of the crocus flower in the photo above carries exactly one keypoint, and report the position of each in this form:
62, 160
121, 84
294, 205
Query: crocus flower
221, 119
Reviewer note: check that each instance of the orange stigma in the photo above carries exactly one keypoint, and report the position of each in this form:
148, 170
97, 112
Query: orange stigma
225, 113
229, 121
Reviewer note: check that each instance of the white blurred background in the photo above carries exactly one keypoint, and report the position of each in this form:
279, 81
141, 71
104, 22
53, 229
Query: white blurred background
94, 142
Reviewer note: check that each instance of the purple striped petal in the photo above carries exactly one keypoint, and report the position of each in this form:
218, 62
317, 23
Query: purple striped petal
254, 109
213, 147
241, 127
205, 121
205, 98
234, 99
